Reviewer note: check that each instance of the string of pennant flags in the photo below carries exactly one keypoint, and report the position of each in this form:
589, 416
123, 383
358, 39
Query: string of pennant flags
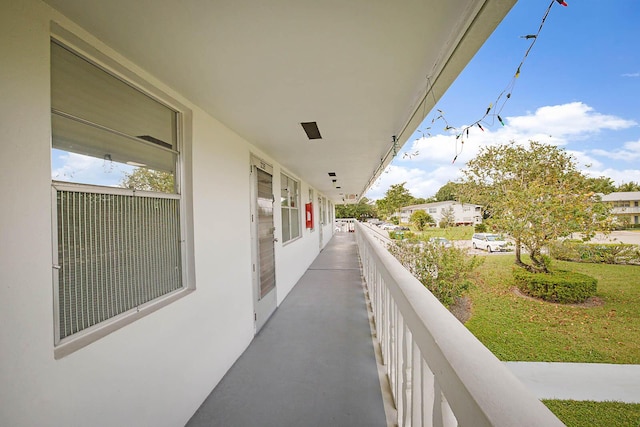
494, 110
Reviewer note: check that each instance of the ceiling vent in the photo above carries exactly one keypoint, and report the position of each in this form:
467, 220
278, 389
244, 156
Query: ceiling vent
311, 129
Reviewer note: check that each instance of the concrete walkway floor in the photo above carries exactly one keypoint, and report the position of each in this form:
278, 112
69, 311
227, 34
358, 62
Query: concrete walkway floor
313, 363
580, 381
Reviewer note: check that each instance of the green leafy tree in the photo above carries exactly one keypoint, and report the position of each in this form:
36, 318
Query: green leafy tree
535, 194
422, 200
361, 210
396, 197
420, 219
449, 191
601, 185
149, 180
628, 186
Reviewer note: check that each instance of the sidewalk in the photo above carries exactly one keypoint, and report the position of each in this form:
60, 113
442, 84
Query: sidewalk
580, 381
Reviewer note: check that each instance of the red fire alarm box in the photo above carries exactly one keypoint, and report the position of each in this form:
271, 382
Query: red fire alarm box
308, 209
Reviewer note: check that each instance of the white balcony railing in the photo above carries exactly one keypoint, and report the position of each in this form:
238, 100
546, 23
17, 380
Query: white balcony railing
625, 210
439, 373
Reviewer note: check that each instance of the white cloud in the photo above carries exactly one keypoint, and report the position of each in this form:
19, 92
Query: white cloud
72, 167
631, 75
432, 166
568, 120
556, 125
618, 176
629, 152
585, 161
419, 182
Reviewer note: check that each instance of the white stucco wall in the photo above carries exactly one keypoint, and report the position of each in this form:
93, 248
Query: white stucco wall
157, 370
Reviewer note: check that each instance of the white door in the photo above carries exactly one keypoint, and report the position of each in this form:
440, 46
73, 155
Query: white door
262, 232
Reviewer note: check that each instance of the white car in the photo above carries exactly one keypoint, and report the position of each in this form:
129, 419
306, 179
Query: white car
445, 243
489, 242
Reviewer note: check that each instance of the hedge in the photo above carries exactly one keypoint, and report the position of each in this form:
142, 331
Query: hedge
608, 253
558, 286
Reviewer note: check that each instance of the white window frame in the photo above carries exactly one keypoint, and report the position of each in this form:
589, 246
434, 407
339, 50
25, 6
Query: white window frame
183, 174
293, 195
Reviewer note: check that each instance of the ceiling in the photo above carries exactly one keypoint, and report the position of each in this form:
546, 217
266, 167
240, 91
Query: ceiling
360, 69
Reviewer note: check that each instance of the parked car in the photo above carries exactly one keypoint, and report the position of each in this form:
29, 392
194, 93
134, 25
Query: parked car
489, 242
442, 241
387, 226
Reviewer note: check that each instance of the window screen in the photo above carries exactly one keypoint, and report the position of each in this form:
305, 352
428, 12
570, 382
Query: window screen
116, 248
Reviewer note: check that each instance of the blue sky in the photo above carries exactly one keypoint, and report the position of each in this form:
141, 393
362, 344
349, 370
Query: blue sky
578, 89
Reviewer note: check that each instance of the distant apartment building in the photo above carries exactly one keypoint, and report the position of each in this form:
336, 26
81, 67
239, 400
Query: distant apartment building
463, 213
626, 206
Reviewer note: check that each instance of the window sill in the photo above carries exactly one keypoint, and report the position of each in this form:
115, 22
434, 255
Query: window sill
90, 335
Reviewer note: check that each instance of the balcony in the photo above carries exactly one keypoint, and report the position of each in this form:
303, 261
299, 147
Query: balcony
360, 342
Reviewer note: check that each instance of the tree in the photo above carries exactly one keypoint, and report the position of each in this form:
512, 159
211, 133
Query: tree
535, 194
421, 219
449, 191
149, 180
601, 185
448, 218
628, 186
396, 197
361, 210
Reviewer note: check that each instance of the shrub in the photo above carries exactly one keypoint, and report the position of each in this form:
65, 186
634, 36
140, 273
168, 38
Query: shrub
444, 271
609, 253
480, 228
400, 235
558, 286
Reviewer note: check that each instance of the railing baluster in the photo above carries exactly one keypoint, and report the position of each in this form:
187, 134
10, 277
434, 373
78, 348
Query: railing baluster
448, 417
418, 356
391, 364
416, 385
407, 376
399, 365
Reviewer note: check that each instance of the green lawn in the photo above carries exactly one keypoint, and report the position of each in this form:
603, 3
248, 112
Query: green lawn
451, 233
516, 328
595, 414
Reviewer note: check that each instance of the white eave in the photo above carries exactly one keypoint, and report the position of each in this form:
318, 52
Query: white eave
360, 69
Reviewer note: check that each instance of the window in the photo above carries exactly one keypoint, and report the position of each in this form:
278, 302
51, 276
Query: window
433, 210
118, 228
289, 201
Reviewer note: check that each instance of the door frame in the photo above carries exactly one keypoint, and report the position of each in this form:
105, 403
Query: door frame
263, 306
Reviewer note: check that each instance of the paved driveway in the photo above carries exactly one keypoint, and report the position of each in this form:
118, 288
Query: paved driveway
632, 237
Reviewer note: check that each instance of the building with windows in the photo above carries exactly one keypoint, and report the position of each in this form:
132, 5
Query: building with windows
170, 171
461, 213
625, 206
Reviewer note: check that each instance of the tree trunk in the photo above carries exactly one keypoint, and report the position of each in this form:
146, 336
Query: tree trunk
538, 264
518, 255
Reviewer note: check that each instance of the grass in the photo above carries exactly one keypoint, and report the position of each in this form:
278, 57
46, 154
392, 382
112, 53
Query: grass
451, 233
590, 414
516, 328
